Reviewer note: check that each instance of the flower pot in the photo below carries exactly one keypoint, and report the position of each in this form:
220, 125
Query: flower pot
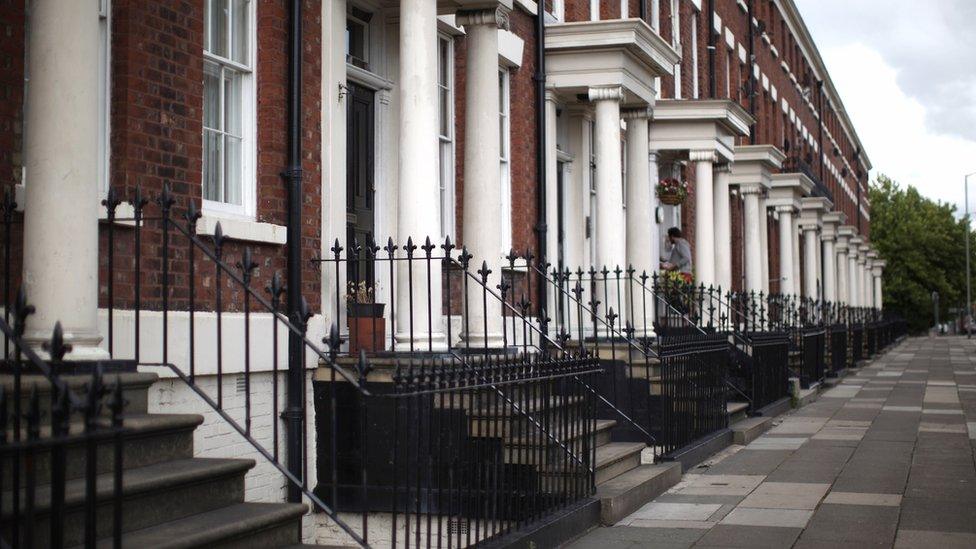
367, 327
671, 199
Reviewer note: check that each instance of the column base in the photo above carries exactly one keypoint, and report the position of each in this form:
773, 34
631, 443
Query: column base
422, 342
84, 346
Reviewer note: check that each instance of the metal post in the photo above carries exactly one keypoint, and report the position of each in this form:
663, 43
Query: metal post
293, 412
969, 299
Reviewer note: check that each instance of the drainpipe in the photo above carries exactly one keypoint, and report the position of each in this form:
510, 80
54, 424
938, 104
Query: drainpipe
711, 49
820, 96
752, 74
293, 413
540, 130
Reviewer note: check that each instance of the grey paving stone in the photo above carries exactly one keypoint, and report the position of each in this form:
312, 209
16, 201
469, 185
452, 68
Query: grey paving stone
621, 537
753, 462
937, 514
785, 495
869, 526
758, 537
915, 539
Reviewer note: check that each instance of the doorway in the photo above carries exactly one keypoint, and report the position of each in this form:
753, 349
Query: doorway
360, 152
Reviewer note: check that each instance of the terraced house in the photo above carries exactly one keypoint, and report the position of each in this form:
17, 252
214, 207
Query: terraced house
372, 272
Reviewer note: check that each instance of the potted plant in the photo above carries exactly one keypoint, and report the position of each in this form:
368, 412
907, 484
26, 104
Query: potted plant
367, 327
671, 191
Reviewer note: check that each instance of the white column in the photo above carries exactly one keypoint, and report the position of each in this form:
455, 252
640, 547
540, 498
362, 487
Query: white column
552, 203
829, 270
867, 293
754, 218
610, 231
763, 221
723, 228
878, 300
552, 182
810, 260
482, 183
654, 226
797, 273
786, 274
854, 296
641, 227
417, 172
577, 190
61, 202
704, 217
843, 286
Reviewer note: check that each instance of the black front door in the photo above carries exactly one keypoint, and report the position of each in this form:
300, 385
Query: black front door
359, 178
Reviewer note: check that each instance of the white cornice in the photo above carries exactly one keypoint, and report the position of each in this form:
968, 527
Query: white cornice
727, 113
634, 35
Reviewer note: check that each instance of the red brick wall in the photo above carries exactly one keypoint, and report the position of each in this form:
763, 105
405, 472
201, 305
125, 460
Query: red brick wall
577, 10
157, 104
11, 89
11, 120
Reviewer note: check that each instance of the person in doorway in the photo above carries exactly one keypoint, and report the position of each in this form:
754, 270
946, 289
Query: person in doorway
679, 258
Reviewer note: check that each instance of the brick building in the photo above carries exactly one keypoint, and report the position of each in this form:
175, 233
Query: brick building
419, 119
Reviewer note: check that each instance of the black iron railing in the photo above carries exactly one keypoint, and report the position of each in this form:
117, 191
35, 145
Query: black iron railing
43, 423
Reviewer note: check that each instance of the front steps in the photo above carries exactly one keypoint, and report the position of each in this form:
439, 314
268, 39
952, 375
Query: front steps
170, 499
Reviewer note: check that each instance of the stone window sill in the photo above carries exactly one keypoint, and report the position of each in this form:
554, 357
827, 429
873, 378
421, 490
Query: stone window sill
243, 229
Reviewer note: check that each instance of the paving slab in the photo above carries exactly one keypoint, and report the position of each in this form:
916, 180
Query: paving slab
727, 535
866, 525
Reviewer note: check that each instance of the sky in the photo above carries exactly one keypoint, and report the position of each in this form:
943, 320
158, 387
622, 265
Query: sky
906, 73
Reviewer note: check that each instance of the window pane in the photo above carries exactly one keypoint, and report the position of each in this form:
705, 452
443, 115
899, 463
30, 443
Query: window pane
211, 95
211, 165
233, 102
217, 28
233, 178
239, 16
443, 62
444, 112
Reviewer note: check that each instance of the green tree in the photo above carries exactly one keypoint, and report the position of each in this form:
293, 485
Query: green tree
923, 242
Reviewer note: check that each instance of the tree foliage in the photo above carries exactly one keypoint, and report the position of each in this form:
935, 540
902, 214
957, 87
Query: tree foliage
923, 242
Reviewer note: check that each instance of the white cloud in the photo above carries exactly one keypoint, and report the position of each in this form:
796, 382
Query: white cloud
904, 72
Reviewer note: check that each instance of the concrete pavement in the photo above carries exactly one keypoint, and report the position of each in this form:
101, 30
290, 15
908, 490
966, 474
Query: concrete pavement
884, 459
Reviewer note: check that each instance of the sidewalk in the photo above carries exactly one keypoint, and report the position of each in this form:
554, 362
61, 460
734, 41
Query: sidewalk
884, 459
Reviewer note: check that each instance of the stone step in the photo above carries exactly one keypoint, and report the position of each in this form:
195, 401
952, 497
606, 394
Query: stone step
616, 458
526, 451
153, 494
239, 526
148, 439
135, 390
749, 429
621, 496
736, 411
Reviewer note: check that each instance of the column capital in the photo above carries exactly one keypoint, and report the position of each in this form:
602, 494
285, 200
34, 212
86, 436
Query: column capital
841, 247
722, 168
784, 209
497, 16
827, 237
612, 93
751, 188
551, 95
637, 113
706, 155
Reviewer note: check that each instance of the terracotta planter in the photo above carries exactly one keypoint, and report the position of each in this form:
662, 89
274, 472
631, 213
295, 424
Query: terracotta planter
367, 327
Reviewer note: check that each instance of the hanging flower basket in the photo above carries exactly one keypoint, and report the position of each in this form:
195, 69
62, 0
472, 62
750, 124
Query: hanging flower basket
672, 192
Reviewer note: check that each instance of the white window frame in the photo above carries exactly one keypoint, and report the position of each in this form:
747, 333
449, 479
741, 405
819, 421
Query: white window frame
624, 9
559, 10
446, 144
594, 10
505, 156
104, 94
695, 20
656, 15
248, 207
675, 23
